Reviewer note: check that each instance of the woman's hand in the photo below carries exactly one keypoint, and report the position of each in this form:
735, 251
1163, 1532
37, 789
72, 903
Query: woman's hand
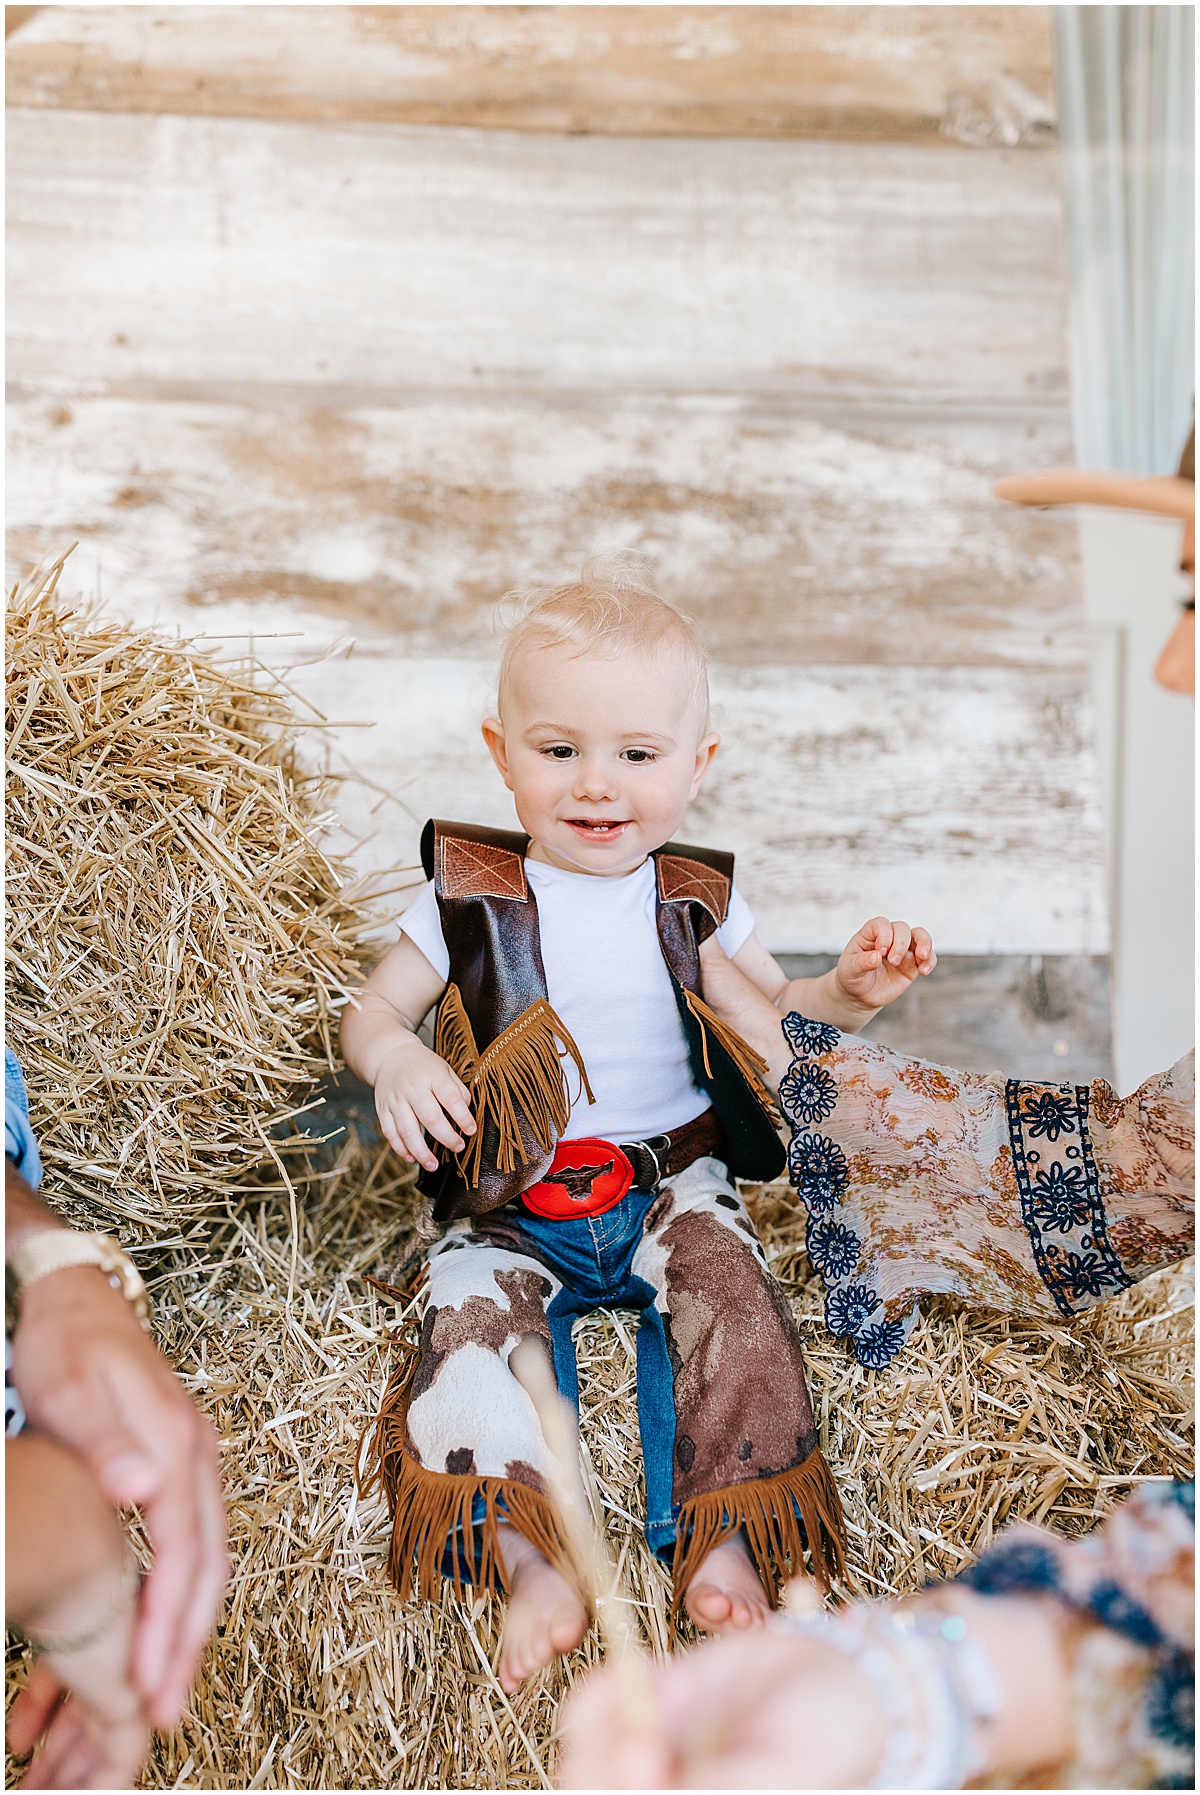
417, 1093
91, 1380
760, 1711
72, 1586
780, 1710
84, 1744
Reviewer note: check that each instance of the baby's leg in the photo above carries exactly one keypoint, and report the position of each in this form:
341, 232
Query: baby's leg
462, 1455
726, 1593
546, 1615
747, 1468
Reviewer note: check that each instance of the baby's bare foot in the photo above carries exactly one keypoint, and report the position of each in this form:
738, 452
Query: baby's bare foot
545, 1617
726, 1594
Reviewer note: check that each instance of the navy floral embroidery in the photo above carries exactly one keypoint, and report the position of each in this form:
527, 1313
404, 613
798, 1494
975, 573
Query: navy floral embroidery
1048, 1113
850, 1309
1078, 1275
833, 1248
805, 1036
818, 1169
877, 1346
1110, 1604
1170, 1704
1059, 1189
807, 1093
1062, 1201
1184, 1494
820, 1173
1010, 1566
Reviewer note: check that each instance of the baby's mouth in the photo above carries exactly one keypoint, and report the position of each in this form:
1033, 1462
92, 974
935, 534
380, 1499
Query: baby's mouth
597, 828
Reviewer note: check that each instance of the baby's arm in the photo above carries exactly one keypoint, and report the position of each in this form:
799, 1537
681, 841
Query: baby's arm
415, 1090
875, 968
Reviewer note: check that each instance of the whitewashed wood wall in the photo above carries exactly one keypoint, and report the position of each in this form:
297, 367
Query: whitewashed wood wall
336, 321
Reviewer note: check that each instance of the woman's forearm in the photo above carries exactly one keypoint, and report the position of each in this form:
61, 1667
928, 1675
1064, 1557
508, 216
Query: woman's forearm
1024, 1639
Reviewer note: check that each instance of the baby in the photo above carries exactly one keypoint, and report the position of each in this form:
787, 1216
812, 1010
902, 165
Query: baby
580, 1124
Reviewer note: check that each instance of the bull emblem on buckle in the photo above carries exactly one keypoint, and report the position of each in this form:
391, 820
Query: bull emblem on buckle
577, 1181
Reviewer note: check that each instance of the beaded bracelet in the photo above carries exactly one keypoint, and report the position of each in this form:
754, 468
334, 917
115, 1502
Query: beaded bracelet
935, 1684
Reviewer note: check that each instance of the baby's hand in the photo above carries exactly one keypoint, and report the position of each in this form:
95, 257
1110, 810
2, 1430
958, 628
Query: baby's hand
882, 961
415, 1091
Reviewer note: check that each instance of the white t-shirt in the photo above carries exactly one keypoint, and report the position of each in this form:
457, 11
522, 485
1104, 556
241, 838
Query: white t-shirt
606, 978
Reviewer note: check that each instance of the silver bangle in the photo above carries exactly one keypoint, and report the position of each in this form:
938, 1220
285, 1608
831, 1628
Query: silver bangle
936, 1686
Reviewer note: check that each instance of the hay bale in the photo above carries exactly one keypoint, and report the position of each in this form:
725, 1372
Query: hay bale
178, 945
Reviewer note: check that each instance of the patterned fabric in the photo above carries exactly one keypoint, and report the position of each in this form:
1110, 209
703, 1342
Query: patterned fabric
1061, 1205
1038, 1200
728, 1433
1131, 1584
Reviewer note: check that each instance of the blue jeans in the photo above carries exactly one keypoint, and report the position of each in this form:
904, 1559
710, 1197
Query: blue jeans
593, 1255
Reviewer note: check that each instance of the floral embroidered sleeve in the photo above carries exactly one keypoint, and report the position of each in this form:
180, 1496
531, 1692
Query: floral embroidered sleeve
1034, 1199
1129, 1592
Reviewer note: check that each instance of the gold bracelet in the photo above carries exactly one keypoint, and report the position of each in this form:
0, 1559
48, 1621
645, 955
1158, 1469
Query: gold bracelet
56, 1249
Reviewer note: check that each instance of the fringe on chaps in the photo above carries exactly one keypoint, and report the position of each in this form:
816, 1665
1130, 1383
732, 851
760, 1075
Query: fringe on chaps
728, 1436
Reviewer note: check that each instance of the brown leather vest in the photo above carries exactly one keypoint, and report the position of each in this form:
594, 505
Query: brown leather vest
490, 923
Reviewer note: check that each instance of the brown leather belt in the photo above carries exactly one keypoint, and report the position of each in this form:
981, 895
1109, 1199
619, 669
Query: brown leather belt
666, 1155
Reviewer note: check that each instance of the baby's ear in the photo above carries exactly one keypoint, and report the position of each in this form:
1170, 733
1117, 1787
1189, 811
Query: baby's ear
705, 751
493, 734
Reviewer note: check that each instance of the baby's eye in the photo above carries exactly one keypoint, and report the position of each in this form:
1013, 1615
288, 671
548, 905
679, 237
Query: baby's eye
558, 751
639, 756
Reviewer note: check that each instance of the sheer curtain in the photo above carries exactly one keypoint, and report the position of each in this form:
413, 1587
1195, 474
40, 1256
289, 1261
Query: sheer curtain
1127, 111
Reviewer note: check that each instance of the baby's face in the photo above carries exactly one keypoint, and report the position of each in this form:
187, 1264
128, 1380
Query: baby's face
601, 755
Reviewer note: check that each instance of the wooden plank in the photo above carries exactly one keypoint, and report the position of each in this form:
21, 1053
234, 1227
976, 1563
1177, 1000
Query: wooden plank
969, 74
1034, 1016
176, 250
792, 535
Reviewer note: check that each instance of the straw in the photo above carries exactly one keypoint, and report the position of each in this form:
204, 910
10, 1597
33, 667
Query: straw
179, 945
358, 1689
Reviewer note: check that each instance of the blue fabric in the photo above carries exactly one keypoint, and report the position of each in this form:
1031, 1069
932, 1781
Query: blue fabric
593, 1255
19, 1144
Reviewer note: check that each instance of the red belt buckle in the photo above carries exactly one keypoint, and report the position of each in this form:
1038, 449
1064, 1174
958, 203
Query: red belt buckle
585, 1177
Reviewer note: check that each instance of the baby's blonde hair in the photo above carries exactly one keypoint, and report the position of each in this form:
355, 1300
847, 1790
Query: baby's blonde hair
611, 607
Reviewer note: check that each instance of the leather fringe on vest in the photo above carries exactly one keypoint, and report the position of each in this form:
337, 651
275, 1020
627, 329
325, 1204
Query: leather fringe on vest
433, 1512
750, 1064
765, 1509
518, 1078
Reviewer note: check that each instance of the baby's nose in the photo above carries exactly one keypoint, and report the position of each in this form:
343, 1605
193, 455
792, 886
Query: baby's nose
595, 780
